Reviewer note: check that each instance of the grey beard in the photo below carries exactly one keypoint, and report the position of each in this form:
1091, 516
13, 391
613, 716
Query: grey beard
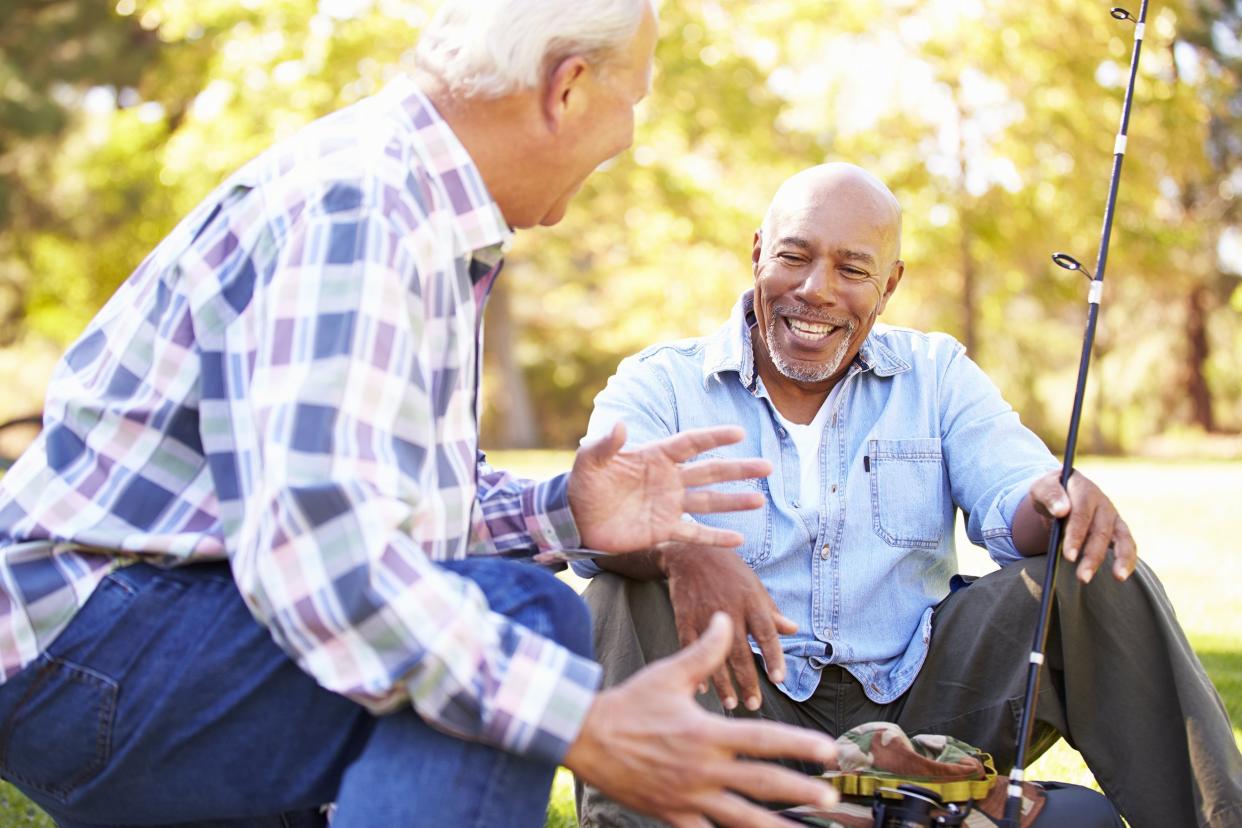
817, 373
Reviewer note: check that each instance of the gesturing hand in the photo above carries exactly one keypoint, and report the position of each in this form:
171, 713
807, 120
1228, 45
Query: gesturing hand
647, 744
628, 500
1093, 524
702, 579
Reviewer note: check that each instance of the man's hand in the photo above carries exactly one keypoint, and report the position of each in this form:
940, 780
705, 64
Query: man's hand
1093, 525
702, 579
623, 501
647, 744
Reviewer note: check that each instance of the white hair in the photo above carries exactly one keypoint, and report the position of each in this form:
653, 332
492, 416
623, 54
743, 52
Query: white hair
489, 48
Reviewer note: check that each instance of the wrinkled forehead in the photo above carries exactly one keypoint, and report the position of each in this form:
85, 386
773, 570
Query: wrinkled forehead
835, 213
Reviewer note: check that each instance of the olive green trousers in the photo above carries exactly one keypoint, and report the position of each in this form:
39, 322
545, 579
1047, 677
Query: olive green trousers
1120, 683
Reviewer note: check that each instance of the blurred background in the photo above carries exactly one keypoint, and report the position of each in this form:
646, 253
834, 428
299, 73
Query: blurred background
993, 121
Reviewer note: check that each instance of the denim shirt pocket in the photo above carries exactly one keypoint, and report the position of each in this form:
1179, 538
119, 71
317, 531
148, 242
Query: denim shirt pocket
754, 525
907, 491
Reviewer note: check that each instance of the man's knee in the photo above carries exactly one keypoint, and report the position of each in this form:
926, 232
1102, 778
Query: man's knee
565, 614
533, 597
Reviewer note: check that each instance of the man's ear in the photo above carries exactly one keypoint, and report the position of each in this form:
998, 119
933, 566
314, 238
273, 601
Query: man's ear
564, 88
894, 278
756, 248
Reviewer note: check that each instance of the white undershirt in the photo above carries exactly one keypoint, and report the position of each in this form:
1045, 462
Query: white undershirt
807, 439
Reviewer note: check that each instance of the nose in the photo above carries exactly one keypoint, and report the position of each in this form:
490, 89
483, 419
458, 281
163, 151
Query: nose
820, 285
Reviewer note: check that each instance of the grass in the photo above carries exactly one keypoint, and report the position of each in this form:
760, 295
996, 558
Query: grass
1184, 515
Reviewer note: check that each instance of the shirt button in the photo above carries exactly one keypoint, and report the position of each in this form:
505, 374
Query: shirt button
781, 432
796, 505
825, 553
834, 488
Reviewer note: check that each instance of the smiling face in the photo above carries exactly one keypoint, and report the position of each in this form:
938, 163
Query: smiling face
825, 264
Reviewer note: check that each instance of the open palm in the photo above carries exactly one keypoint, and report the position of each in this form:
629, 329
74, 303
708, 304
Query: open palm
628, 500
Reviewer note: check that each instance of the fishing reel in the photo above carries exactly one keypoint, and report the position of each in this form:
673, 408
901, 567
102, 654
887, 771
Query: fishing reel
916, 808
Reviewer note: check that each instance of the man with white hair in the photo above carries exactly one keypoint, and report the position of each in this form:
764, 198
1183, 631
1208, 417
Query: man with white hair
845, 596
254, 564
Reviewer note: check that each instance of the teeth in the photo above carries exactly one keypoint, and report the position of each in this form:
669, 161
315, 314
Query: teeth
810, 330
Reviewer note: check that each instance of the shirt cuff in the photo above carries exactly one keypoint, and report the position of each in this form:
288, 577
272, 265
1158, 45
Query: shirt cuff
998, 525
543, 700
586, 569
545, 510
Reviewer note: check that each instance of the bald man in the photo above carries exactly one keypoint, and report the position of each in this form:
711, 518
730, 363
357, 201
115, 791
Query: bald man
845, 595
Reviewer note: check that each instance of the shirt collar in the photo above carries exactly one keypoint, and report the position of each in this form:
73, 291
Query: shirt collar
730, 350
479, 227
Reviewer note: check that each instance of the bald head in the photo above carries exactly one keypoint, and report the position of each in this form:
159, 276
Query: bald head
844, 185
826, 262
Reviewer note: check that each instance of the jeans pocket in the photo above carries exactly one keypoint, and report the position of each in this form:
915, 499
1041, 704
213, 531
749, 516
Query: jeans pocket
907, 492
59, 734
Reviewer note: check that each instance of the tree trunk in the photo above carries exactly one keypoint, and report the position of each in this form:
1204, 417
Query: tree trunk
969, 311
514, 425
1197, 352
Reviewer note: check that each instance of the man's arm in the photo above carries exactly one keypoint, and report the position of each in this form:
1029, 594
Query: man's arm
1004, 478
702, 578
1092, 527
339, 505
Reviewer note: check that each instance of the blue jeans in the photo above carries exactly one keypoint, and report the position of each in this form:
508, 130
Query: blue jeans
165, 703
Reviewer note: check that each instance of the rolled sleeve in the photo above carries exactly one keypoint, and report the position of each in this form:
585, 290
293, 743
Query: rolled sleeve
522, 516
992, 458
996, 528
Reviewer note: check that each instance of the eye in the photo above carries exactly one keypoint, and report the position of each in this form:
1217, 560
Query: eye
855, 273
789, 258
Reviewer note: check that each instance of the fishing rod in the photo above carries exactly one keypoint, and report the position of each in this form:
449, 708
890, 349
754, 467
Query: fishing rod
1013, 803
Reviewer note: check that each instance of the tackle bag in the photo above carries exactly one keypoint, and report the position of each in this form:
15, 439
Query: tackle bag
874, 760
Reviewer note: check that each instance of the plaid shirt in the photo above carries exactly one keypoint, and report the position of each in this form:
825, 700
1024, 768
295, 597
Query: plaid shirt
290, 381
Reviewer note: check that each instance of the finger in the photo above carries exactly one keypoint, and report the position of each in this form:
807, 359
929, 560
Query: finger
704, 472
1082, 512
1098, 538
724, 689
696, 663
732, 811
772, 783
687, 634
1048, 497
773, 740
686, 820
689, 532
601, 450
1125, 551
763, 628
687, 631
742, 663
707, 500
785, 626
681, 447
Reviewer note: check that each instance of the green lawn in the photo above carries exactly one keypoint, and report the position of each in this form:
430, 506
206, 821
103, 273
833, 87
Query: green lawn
1185, 517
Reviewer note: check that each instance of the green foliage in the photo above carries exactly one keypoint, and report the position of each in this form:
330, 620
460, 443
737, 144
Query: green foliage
993, 124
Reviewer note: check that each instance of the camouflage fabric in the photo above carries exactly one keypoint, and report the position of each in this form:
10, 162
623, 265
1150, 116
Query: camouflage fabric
883, 749
881, 755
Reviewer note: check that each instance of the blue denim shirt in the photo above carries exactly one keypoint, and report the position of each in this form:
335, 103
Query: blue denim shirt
918, 431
